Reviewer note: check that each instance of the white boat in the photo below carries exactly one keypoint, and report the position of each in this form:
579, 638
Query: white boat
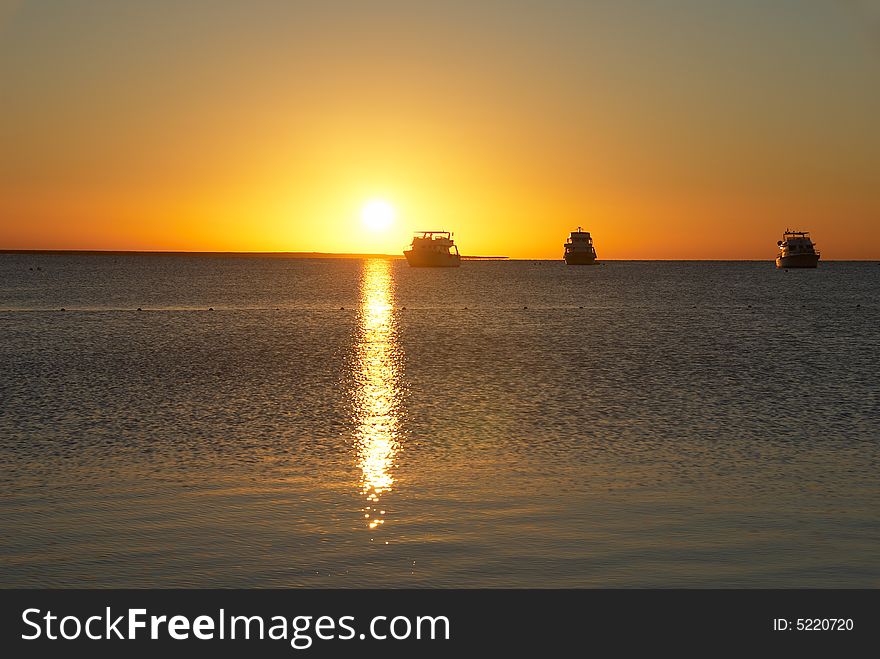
796, 250
433, 249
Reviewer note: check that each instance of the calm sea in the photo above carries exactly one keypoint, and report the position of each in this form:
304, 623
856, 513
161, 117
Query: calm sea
360, 423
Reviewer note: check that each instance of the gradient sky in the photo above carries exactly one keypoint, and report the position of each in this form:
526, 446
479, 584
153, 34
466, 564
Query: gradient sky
670, 129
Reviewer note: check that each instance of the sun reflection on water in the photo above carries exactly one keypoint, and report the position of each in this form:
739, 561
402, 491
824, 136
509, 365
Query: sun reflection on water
378, 388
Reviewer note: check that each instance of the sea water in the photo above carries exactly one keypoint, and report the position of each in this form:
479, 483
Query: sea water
352, 423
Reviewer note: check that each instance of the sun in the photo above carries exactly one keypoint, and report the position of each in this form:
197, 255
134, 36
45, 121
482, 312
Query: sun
377, 214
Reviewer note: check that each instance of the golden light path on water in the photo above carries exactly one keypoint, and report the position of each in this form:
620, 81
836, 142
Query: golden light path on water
378, 378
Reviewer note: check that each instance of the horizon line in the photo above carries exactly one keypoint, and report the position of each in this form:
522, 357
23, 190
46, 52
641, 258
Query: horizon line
338, 255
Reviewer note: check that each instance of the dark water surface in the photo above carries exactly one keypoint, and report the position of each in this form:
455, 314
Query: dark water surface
361, 423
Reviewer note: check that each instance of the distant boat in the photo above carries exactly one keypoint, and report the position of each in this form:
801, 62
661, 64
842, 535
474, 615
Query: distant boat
433, 249
796, 250
579, 249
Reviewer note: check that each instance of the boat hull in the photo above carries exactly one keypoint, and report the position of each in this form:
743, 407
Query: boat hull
797, 261
419, 259
580, 259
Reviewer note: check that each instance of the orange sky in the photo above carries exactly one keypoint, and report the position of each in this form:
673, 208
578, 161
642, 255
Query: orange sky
683, 129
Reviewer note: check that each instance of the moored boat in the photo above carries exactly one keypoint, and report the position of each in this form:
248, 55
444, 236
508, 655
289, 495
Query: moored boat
579, 249
433, 249
796, 250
